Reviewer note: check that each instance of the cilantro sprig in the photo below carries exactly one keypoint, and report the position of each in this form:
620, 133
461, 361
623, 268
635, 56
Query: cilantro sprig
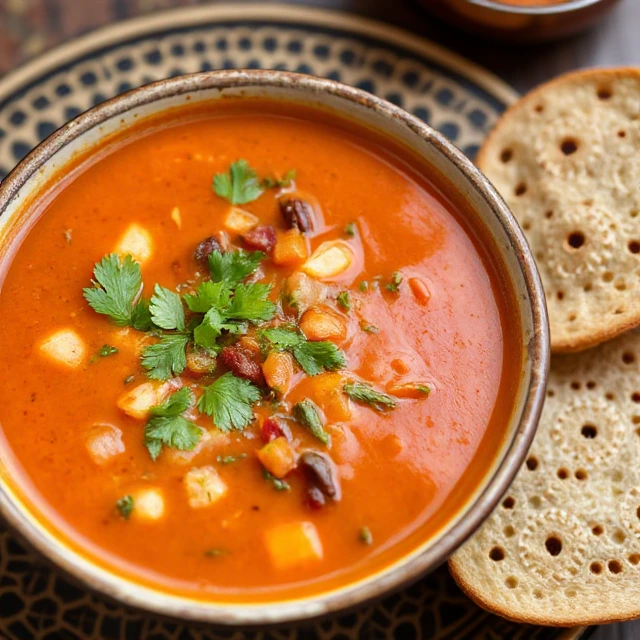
229, 401
240, 186
313, 357
168, 427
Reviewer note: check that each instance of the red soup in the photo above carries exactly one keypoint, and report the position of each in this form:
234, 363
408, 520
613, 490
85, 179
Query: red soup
253, 351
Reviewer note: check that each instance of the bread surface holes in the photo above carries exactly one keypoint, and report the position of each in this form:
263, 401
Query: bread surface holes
575, 240
581, 474
497, 554
634, 246
511, 582
509, 531
596, 568
569, 146
628, 357
521, 189
506, 155
532, 463
634, 559
553, 545
589, 431
604, 93
614, 566
563, 474
509, 502
597, 530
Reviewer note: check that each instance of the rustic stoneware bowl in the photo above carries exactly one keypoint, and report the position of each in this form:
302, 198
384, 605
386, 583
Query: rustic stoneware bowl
20, 188
521, 23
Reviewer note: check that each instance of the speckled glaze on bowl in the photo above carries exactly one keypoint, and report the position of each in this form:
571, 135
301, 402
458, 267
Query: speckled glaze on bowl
89, 129
519, 23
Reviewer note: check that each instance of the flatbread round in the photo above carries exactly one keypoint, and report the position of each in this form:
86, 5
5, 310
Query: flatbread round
563, 547
566, 158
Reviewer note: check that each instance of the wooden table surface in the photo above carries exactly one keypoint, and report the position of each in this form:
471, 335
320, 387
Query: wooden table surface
28, 27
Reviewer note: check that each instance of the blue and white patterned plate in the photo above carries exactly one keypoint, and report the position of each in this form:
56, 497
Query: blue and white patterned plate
456, 97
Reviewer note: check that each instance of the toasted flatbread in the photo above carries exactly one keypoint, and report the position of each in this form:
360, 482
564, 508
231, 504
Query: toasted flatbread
566, 158
563, 547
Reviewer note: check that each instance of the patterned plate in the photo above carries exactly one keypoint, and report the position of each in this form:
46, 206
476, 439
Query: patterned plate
456, 97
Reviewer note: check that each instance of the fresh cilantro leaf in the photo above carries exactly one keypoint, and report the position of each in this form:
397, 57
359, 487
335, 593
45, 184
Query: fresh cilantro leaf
364, 535
125, 506
316, 357
107, 350
208, 331
167, 427
282, 338
115, 289
344, 300
394, 284
250, 303
366, 326
231, 459
166, 309
274, 183
229, 402
167, 357
141, 316
350, 230
175, 404
233, 267
307, 414
278, 484
240, 185
208, 295
365, 394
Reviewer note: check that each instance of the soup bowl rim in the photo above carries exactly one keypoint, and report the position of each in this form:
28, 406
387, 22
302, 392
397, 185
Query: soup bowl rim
131, 593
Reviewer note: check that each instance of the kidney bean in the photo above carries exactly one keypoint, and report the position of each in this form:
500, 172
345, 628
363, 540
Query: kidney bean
242, 363
273, 428
315, 498
297, 214
262, 238
322, 473
206, 248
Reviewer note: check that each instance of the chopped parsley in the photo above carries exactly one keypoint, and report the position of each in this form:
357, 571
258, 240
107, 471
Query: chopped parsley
276, 183
240, 186
167, 357
116, 288
350, 230
125, 506
107, 350
168, 427
344, 300
364, 535
278, 485
313, 357
166, 310
233, 267
366, 394
394, 284
307, 414
229, 401
231, 459
366, 326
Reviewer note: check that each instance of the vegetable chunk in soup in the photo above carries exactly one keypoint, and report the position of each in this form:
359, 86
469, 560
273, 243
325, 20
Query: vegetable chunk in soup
252, 351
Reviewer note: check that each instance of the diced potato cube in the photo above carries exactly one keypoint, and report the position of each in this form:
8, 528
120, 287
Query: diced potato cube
104, 443
65, 347
291, 248
127, 339
326, 391
137, 402
278, 457
278, 371
240, 221
302, 292
329, 259
420, 291
204, 487
321, 324
415, 390
176, 216
148, 504
293, 544
136, 242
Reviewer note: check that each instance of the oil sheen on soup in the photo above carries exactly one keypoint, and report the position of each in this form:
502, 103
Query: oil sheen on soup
252, 351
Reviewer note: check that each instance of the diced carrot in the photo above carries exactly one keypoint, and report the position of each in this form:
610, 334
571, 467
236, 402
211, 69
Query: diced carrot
278, 371
249, 344
326, 391
278, 457
321, 324
291, 248
420, 291
329, 259
415, 390
293, 544
302, 291
399, 366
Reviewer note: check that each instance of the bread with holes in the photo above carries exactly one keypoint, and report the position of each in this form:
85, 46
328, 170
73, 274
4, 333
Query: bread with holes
563, 546
565, 158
